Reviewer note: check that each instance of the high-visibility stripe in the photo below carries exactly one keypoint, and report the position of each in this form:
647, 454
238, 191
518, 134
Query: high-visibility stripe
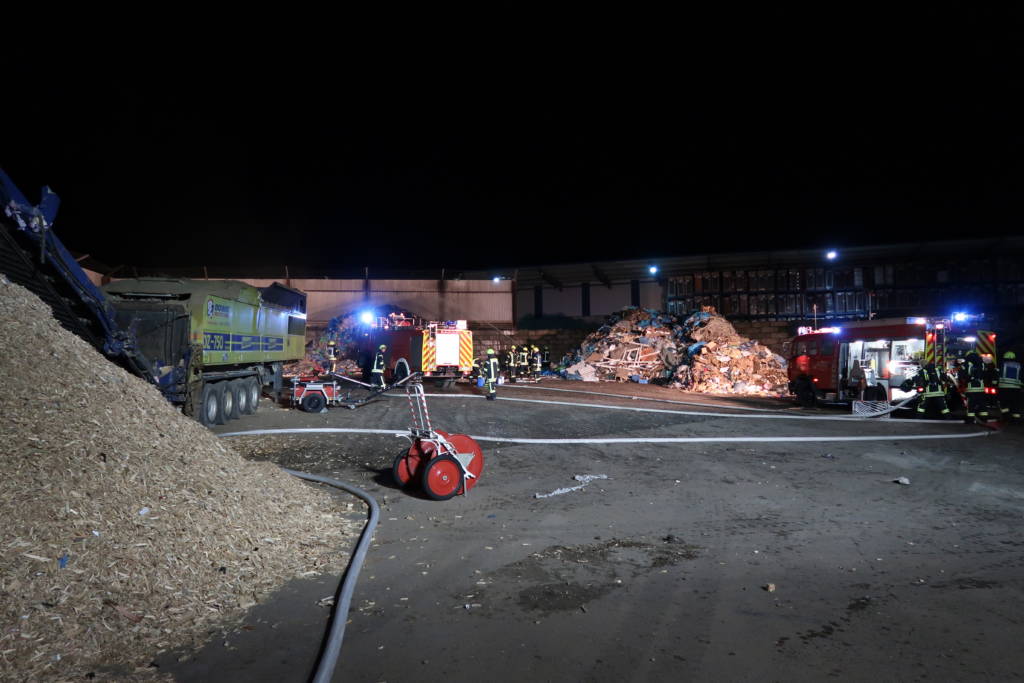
929, 347
985, 343
429, 353
465, 350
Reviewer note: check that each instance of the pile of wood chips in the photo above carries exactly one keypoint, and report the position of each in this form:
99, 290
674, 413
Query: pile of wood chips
127, 529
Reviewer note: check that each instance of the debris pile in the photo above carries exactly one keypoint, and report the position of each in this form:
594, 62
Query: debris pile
128, 529
702, 352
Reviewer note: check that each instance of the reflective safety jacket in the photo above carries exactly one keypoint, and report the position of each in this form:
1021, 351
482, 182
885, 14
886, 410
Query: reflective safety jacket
378, 363
491, 369
973, 369
1009, 377
931, 382
523, 358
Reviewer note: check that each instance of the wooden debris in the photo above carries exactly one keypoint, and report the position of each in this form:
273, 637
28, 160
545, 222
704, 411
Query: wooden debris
88, 585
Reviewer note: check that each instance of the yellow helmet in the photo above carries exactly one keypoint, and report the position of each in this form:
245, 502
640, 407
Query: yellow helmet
383, 347
331, 343
1009, 355
490, 352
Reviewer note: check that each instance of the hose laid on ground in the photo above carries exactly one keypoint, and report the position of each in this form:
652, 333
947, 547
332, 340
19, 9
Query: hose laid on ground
332, 648
329, 657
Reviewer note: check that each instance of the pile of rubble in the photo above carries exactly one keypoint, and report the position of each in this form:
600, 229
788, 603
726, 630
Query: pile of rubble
129, 529
701, 353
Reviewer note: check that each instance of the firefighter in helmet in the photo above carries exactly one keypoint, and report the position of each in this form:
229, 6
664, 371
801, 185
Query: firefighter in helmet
511, 359
933, 398
536, 360
332, 355
377, 374
1010, 399
523, 361
977, 402
491, 368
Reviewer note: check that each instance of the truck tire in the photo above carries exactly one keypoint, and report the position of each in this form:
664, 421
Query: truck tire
313, 402
241, 397
209, 406
253, 390
226, 400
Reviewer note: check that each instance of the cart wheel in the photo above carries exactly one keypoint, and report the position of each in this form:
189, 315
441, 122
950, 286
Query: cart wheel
313, 402
442, 478
466, 444
405, 466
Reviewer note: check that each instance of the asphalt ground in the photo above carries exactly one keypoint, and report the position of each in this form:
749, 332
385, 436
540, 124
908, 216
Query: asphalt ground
702, 561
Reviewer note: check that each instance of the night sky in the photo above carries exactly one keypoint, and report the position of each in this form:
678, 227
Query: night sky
877, 139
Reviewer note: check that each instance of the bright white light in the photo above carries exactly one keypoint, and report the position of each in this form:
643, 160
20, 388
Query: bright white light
653, 270
920, 321
970, 340
495, 279
836, 330
831, 255
959, 317
366, 317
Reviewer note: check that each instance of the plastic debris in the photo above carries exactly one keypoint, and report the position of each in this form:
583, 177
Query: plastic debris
143, 512
902, 481
770, 587
583, 478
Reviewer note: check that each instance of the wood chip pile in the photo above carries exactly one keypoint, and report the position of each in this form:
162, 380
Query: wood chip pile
127, 529
702, 353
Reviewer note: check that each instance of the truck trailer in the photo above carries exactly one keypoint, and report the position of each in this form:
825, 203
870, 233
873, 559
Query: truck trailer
208, 346
214, 345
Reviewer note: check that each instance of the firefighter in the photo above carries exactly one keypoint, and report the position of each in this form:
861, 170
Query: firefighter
377, 374
974, 380
1010, 398
934, 396
332, 354
522, 360
490, 374
511, 359
536, 361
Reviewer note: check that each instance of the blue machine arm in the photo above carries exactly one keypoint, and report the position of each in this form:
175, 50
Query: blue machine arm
36, 222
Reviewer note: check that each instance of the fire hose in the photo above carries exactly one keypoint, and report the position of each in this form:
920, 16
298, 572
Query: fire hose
343, 599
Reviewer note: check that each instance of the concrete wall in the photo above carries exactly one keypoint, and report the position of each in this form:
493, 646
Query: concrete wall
771, 334
477, 300
558, 341
604, 301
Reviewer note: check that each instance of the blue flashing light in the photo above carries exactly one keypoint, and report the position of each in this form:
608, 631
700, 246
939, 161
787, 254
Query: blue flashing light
653, 270
496, 279
831, 255
837, 330
959, 317
366, 317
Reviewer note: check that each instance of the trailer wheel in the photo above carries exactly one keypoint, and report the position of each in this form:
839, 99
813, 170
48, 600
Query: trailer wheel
442, 478
240, 397
313, 402
209, 406
226, 400
252, 389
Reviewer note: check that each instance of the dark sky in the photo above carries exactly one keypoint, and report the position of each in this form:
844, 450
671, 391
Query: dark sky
879, 137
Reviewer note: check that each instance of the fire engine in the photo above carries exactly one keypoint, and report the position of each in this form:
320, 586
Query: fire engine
890, 351
440, 350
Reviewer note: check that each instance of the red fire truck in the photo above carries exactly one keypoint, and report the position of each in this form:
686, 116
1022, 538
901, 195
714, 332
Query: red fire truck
441, 350
890, 351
